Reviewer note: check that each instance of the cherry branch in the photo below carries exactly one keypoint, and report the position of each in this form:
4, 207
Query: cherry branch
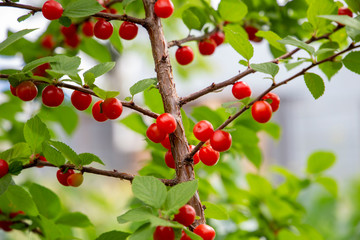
191, 38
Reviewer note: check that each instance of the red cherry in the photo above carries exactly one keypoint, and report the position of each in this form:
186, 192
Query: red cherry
14, 214
251, 31
275, 101
13, 90
184, 55
88, 29
103, 29
4, 168
97, 112
261, 111
163, 8
52, 96
62, 177
164, 233
41, 70
184, 236
196, 157
5, 225
166, 142
155, 134
209, 156
72, 41
112, 108
68, 31
218, 37
345, 11
241, 90
166, 123
26, 91
42, 158
80, 100
186, 215
207, 46
220, 141
205, 231
75, 179
203, 130
113, 11
169, 159
48, 42
52, 10
128, 30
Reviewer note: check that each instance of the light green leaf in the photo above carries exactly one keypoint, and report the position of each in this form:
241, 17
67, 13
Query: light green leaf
352, 62
329, 184
19, 150
136, 123
194, 18
67, 152
95, 49
35, 133
82, 8
272, 38
179, 195
253, 154
142, 85
33, 64
238, 39
153, 100
5, 182
259, 186
156, 221
232, 10
21, 199
315, 84
297, 43
150, 190
293, 65
115, 39
52, 155
88, 158
268, 68
192, 235
74, 219
66, 65
113, 235
14, 37
103, 94
47, 202
215, 211
320, 161
101, 69
343, 19
136, 215
321, 7
24, 17
329, 68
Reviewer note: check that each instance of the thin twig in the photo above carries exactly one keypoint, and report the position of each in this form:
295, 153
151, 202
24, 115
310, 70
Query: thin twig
191, 38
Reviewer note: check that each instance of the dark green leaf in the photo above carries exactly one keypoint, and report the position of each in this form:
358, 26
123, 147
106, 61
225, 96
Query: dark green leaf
194, 18
144, 232
136, 215
354, 5
179, 195
88, 158
52, 155
232, 10
113, 235
14, 37
215, 211
320, 161
352, 61
74, 219
15, 167
297, 43
65, 21
67, 152
268, 68
101, 69
142, 85
315, 84
150, 190
82, 8
238, 39
21, 200
47, 202
35, 133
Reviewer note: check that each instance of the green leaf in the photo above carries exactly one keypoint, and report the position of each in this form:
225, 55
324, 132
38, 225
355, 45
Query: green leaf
51, 230
66, 65
19, 151
194, 18
192, 235
113, 235
179, 195
74, 219
245, 136
14, 37
354, 34
297, 43
320, 161
352, 61
101, 69
21, 199
15, 167
279, 209
89, 78
273, 39
5, 182
82, 8
215, 211
273, 129
135, 122
52, 155
268, 68
150, 190
95, 49
315, 84
65, 21
142, 233
232, 10
354, 5
253, 154
320, 7
105, 94
35, 133
24, 17
136, 215
153, 100
65, 115
156, 221
329, 184
238, 39
259, 186
142, 85
329, 68
47, 202
67, 152
88, 158
115, 39
345, 20
33, 64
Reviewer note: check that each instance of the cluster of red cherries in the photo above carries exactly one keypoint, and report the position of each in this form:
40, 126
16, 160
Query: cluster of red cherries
6, 224
68, 177
186, 217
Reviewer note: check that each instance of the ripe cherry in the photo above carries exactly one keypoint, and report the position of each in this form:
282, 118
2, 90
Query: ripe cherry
52, 10
26, 91
207, 46
41, 70
186, 215
196, 157
155, 134
166, 142
4, 168
42, 158
261, 111
209, 156
5, 225
103, 29
52, 96
203, 130
163, 8
63, 176
345, 11
97, 112
184, 55
88, 29
218, 37
68, 31
113, 11
73, 41
112, 108
169, 159
220, 141
13, 90
251, 31
80, 100
128, 30
275, 101
75, 179
162, 233
166, 123
205, 231
241, 90
184, 236
48, 42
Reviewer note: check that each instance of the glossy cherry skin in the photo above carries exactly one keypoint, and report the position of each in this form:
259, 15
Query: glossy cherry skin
241, 90
68, 31
169, 160
128, 30
261, 111
112, 108
203, 130
345, 11
209, 156
13, 90
205, 231
196, 157
184, 236
251, 31
163, 8
97, 112
218, 37
62, 177
207, 47
164, 233
166, 142
75, 179
88, 29
166, 123
186, 215
184, 55
52, 10
73, 41
48, 42
103, 29
155, 134
4, 168
220, 141
275, 101
80, 100
52, 96
26, 91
